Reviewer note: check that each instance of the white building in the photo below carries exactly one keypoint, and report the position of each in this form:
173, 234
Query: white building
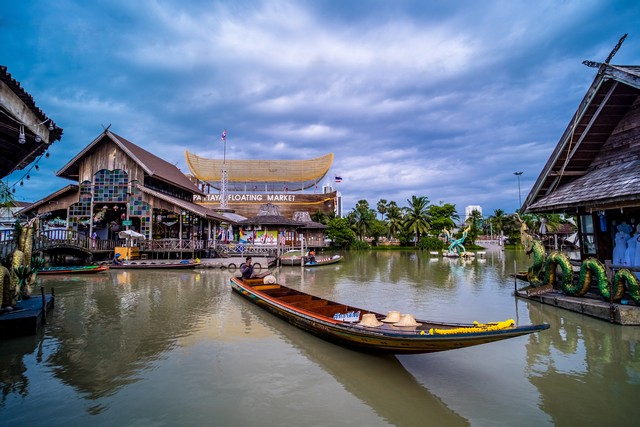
327, 188
469, 210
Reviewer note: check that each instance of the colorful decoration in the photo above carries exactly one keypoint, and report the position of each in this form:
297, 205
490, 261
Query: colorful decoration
456, 246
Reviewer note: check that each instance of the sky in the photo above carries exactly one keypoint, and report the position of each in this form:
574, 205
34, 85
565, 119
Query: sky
442, 99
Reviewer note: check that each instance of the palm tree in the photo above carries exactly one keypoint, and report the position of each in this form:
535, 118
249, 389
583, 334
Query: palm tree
416, 218
497, 220
361, 217
382, 208
395, 219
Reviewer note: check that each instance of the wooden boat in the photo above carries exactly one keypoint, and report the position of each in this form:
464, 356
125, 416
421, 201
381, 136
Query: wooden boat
184, 264
293, 257
344, 325
81, 269
324, 261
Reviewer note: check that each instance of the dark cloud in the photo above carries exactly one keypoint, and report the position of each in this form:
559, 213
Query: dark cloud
439, 99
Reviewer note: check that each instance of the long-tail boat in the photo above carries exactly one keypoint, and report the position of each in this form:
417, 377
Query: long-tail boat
81, 269
369, 331
323, 261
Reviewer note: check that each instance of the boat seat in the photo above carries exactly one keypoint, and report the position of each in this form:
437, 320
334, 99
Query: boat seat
265, 287
295, 298
309, 305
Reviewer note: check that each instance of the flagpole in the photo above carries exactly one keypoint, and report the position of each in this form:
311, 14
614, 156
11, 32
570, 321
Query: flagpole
223, 184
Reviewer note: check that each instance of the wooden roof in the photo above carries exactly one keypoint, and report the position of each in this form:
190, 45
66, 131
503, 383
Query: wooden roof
153, 165
596, 162
18, 107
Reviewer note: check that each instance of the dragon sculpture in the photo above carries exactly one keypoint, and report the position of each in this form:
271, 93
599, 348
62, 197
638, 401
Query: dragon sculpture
542, 272
456, 246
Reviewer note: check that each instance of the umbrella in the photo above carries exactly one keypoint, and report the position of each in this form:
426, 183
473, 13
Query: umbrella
130, 234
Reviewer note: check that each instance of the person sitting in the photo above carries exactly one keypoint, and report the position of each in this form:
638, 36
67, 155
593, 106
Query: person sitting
116, 260
312, 257
247, 269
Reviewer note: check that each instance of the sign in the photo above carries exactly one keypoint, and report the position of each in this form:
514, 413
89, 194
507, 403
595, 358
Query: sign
352, 316
126, 222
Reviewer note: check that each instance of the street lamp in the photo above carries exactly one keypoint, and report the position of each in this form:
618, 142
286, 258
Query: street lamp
519, 197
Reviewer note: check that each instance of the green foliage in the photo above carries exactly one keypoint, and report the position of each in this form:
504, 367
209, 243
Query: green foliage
405, 237
361, 218
340, 233
430, 243
416, 218
442, 216
359, 245
378, 229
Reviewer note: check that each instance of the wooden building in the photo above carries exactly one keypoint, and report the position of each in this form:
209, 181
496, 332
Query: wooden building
121, 186
594, 171
25, 131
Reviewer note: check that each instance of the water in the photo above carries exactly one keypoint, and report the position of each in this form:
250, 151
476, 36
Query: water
144, 348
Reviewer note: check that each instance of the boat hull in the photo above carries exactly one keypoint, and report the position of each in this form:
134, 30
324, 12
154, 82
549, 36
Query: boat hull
327, 261
386, 339
155, 265
73, 270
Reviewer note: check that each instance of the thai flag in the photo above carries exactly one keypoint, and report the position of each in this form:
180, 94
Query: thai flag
224, 135
338, 178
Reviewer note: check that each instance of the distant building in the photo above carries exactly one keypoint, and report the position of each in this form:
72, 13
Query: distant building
468, 211
328, 189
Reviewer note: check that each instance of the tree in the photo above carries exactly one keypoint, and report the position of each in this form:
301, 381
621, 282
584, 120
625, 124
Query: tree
377, 229
442, 216
382, 208
416, 218
497, 221
395, 219
340, 233
474, 222
361, 217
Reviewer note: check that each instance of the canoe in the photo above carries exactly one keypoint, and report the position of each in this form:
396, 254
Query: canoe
352, 327
82, 269
324, 261
184, 264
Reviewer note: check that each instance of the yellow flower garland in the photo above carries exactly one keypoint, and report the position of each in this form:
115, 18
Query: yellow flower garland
478, 327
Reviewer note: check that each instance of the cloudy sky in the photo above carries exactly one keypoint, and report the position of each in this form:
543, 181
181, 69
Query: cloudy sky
443, 99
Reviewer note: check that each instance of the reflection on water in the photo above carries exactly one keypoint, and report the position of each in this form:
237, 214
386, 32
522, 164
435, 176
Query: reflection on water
178, 347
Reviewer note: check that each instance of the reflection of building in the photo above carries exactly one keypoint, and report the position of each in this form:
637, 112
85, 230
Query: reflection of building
594, 171
252, 183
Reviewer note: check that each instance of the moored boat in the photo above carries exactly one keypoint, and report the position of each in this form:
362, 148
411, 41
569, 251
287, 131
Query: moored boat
80, 269
368, 331
323, 261
184, 264
293, 257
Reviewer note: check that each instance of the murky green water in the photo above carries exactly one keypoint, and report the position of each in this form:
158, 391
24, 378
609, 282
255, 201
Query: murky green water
179, 348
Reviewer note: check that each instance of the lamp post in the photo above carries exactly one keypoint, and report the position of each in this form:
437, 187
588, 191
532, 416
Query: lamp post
519, 197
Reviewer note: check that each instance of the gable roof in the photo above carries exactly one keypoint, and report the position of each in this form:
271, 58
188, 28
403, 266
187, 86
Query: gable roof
579, 172
153, 165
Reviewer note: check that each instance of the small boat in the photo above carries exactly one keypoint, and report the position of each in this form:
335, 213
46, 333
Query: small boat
81, 269
368, 331
184, 264
293, 257
323, 261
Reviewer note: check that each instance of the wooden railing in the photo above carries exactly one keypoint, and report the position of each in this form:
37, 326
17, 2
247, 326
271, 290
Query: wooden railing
60, 238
